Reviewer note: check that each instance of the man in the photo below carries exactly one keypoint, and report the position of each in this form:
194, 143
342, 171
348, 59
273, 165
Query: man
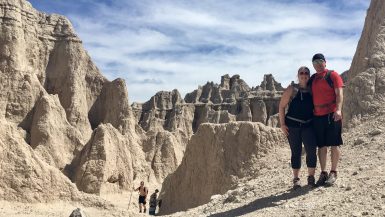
143, 191
327, 98
153, 202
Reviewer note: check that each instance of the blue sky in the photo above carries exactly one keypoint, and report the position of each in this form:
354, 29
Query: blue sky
168, 44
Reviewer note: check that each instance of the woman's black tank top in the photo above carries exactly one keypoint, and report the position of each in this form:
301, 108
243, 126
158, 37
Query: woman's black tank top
300, 112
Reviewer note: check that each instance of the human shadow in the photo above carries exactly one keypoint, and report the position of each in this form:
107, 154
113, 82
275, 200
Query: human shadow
261, 203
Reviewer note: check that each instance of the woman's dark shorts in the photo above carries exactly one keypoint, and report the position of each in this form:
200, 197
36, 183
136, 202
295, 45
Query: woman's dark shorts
327, 131
142, 199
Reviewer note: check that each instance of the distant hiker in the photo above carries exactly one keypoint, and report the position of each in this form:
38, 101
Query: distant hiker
143, 191
327, 91
153, 202
297, 125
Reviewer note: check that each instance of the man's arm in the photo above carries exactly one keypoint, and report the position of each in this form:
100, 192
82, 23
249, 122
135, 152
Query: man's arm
339, 101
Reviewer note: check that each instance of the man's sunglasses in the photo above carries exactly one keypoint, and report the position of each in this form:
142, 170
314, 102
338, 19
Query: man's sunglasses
318, 62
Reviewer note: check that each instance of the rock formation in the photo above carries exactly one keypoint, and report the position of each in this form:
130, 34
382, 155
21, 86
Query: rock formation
51, 61
164, 152
26, 178
215, 158
232, 100
365, 87
236, 101
53, 138
62, 121
24, 59
163, 112
78, 125
167, 121
52, 91
108, 162
112, 107
228, 91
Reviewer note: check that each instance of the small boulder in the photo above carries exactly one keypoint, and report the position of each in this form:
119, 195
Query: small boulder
359, 141
375, 132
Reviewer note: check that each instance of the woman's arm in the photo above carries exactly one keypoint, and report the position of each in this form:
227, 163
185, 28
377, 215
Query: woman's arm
282, 105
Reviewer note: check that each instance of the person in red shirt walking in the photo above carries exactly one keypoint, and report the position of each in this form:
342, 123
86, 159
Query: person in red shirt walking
326, 86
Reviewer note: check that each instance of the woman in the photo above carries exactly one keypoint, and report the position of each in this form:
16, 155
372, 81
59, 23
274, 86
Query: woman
297, 126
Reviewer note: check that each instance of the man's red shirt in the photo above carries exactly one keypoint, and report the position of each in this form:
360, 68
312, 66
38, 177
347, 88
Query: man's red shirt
324, 97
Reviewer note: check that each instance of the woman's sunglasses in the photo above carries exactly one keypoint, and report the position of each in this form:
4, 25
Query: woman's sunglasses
304, 73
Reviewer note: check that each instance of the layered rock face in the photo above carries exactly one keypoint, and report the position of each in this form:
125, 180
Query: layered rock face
365, 87
53, 138
27, 40
112, 106
169, 121
51, 61
215, 158
79, 126
232, 100
108, 163
164, 152
164, 111
229, 91
53, 97
24, 176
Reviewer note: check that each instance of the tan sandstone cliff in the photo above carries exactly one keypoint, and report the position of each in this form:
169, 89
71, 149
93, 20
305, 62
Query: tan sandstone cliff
217, 156
55, 98
365, 87
169, 120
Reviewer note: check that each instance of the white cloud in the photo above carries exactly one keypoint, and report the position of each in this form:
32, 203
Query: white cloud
162, 45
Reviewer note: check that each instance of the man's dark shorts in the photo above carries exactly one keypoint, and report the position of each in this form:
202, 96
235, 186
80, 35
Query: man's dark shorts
327, 131
142, 199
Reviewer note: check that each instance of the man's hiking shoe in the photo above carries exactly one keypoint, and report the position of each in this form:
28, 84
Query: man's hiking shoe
296, 183
332, 178
322, 179
311, 181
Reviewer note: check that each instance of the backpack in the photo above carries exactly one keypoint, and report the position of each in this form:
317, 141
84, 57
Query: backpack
144, 189
327, 77
153, 200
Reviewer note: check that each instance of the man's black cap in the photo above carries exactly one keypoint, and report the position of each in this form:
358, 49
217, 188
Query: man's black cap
318, 56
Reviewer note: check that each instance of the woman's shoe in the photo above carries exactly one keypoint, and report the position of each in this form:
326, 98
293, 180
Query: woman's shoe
311, 181
296, 183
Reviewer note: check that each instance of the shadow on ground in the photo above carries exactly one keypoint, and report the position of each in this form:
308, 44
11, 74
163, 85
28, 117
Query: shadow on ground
265, 202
